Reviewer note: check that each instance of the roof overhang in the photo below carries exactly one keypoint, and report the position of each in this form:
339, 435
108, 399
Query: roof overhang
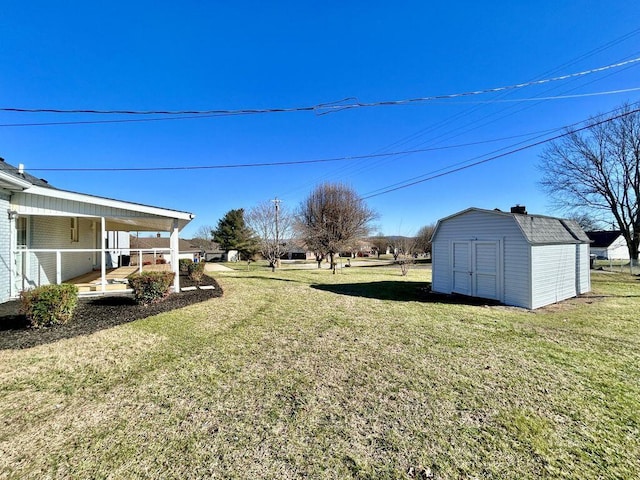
12, 183
119, 215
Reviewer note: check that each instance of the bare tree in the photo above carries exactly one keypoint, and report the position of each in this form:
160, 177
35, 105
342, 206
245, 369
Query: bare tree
405, 253
398, 244
331, 217
380, 243
423, 239
202, 238
272, 223
598, 169
587, 222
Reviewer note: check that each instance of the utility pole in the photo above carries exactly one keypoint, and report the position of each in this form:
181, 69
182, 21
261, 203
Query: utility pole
276, 202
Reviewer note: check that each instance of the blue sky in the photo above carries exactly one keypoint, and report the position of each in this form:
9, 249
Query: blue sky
196, 55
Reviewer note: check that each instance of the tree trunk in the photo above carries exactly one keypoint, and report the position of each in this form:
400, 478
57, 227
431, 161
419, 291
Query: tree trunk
632, 246
333, 263
633, 254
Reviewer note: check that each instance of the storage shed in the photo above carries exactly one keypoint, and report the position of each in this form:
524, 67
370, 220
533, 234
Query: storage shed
518, 259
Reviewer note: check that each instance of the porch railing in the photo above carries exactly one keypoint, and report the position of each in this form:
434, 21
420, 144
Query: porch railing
41, 266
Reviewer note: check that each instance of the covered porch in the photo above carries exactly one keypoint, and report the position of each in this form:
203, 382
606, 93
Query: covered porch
60, 237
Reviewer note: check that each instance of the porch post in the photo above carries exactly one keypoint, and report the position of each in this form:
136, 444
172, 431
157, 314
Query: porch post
58, 267
174, 245
13, 253
103, 256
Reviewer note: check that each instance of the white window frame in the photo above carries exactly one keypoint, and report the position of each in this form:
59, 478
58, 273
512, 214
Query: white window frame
75, 230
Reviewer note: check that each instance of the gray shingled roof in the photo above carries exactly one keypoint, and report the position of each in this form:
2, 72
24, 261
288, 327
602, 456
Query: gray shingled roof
539, 229
13, 171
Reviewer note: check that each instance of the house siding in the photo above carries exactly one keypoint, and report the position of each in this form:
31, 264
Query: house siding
55, 232
476, 225
553, 269
616, 250
5, 247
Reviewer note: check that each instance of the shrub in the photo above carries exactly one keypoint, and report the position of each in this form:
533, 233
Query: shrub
150, 287
49, 304
196, 271
184, 264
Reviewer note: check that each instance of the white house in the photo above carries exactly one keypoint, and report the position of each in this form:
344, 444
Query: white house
609, 245
516, 258
48, 235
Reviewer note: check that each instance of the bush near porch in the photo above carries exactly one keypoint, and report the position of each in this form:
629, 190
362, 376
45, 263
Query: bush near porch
150, 287
49, 304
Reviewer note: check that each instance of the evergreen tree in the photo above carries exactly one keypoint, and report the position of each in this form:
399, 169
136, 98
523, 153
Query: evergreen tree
232, 233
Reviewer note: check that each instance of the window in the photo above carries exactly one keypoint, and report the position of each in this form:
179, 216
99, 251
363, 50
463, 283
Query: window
21, 232
74, 229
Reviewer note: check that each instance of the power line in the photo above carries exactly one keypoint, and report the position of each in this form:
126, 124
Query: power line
129, 120
554, 97
533, 102
422, 132
495, 157
275, 164
322, 108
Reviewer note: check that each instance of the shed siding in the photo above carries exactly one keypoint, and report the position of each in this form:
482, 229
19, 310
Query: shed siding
5, 248
475, 225
553, 273
583, 268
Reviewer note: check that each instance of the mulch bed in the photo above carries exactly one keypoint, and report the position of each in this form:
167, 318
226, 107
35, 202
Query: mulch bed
94, 314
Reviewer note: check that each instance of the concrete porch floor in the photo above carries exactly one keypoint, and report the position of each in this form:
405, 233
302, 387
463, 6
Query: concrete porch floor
116, 279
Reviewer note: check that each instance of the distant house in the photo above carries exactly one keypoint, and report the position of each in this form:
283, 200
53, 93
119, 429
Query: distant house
48, 235
294, 249
515, 258
608, 245
155, 249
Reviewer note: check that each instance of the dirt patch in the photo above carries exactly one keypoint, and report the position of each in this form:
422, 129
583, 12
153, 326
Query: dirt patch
94, 314
571, 303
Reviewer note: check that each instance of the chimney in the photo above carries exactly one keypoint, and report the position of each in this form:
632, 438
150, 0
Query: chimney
20, 168
521, 209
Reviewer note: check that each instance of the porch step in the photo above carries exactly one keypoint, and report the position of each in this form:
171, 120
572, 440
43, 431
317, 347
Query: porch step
92, 287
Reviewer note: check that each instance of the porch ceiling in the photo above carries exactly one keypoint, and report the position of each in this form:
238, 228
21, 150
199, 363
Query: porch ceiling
141, 224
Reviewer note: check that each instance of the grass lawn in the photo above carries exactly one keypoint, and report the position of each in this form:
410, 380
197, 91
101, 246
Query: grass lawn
304, 374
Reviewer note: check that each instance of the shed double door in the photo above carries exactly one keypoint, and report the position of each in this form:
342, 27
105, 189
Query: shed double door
476, 267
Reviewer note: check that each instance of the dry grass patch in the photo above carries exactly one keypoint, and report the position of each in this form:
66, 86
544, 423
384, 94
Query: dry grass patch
277, 379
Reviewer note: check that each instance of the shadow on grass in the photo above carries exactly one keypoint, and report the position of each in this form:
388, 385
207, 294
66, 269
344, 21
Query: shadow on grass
401, 292
257, 277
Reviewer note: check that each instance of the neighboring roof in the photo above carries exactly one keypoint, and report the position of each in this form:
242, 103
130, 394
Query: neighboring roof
603, 238
537, 229
149, 243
